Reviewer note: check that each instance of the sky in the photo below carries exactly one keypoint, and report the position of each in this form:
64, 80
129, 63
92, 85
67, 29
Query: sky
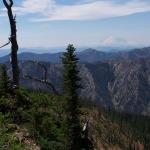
84, 23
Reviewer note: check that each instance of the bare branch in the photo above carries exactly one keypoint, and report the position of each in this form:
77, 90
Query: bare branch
8, 6
5, 44
42, 81
11, 3
45, 81
15, 18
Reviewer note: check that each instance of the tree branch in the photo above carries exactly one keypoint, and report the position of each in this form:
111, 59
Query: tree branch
8, 6
6, 43
11, 3
45, 81
42, 81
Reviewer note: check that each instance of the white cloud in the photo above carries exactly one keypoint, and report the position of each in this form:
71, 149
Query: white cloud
49, 10
113, 41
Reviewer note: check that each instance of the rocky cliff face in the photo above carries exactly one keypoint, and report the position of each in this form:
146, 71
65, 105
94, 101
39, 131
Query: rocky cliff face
124, 85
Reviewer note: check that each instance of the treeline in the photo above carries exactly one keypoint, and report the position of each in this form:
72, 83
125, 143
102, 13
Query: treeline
117, 130
137, 126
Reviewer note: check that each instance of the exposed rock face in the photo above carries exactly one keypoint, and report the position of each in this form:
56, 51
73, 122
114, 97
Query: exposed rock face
88, 85
55, 76
127, 85
130, 89
54, 73
124, 85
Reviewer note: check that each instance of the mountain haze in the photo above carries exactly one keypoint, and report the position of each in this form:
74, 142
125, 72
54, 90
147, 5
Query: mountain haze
88, 55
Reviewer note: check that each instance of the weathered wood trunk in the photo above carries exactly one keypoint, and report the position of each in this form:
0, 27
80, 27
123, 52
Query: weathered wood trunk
14, 44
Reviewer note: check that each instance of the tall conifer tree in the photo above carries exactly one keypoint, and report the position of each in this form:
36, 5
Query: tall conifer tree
71, 85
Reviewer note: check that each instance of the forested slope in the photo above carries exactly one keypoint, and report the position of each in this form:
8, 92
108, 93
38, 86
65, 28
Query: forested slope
40, 125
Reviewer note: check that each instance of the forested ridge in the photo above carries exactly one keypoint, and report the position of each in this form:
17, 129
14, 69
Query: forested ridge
36, 120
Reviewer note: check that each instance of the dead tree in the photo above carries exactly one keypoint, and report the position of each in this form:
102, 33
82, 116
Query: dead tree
45, 80
13, 40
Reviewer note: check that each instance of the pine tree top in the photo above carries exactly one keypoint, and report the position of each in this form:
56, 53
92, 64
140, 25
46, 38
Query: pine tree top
69, 56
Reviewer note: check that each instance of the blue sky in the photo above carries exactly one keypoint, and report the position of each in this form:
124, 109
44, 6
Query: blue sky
90, 23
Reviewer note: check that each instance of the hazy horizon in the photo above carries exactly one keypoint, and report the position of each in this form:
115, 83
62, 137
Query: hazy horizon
90, 23
42, 50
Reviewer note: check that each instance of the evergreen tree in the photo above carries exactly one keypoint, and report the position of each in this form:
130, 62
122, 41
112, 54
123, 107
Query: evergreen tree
4, 82
71, 85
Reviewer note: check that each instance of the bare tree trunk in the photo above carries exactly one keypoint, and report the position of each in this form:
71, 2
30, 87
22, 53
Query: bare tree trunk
14, 44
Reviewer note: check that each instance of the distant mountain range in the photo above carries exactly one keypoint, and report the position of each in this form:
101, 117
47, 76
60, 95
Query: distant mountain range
88, 55
123, 85
116, 79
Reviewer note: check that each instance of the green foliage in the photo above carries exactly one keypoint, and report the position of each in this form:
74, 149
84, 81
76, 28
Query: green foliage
71, 79
53, 121
71, 85
4, 82
44, 122
45, 119
8, 140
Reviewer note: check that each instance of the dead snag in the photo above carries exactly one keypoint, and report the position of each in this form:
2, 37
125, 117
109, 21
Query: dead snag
13, 39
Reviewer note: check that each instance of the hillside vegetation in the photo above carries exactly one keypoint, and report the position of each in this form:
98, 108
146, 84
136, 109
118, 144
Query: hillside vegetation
111, 130
51, 120
61, 118
40, 125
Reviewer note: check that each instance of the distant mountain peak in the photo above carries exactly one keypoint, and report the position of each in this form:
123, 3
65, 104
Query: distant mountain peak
90, 50
89, 55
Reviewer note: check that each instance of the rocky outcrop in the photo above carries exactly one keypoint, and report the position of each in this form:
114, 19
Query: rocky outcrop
124, 85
